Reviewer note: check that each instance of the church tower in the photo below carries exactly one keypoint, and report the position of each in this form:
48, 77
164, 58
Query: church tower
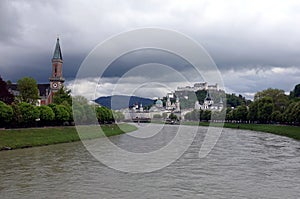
56, 79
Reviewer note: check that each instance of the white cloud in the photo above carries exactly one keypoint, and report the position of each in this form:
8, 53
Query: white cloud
249, 81
92, 89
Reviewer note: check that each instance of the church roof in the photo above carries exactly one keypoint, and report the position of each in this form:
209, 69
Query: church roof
208, 98
43, 88
57, 52
158, 102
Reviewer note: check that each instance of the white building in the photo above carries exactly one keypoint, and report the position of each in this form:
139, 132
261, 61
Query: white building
209, 104
199, 86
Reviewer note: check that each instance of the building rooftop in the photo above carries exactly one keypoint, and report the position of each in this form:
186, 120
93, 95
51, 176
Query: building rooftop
57, 52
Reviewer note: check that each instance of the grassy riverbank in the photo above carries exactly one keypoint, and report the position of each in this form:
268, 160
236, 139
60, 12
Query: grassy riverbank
288, 131
23, 138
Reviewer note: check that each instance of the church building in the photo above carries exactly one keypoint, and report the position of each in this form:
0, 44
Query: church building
56, 80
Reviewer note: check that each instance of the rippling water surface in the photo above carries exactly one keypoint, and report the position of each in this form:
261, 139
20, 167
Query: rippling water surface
243, 164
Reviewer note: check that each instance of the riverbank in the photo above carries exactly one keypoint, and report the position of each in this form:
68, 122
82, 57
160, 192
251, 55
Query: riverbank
283, 130
30, 137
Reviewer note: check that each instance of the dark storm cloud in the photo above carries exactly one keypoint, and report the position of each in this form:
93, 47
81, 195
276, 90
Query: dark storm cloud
144, 56
238, 35
9, 21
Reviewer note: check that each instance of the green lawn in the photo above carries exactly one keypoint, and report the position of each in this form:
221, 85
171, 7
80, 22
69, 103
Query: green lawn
22, 138
288, 131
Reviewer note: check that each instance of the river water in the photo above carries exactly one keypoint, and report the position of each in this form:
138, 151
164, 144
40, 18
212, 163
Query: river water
243, 164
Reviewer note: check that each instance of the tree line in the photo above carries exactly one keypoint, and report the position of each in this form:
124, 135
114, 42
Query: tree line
21, 110
269, 106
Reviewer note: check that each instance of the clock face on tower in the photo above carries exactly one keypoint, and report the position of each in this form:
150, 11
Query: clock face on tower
54, 85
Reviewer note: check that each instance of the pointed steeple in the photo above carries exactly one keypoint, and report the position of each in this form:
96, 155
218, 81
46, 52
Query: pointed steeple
208, 98
57, 52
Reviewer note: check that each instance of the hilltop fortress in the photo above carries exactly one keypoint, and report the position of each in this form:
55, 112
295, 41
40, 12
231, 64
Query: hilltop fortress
201, 96
199, 86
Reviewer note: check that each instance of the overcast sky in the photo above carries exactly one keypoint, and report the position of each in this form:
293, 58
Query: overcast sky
255, 44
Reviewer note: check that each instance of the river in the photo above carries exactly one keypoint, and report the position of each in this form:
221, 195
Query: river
243, 164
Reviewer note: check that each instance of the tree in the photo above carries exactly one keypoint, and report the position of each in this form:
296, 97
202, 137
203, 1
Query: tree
26, 114
28, 89
234, 101
292, 113
84, 113
229, 114
68, 107
194, 115
172, 116
241, 113
61, 113
206, 115
104, 115
5, 95
265, 109
276, 116
278, 97
218, 115
46, 114
253, 110
164, 115
201, 95
62, 95
296, 92
118, 116
6, 114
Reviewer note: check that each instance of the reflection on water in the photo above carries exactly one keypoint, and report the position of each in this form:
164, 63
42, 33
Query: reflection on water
242, 164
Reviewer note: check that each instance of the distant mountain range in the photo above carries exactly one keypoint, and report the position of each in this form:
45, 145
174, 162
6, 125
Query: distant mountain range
117, 102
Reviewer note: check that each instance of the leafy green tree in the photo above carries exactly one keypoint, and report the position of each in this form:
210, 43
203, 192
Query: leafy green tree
296, 92
193, 115
68, 107
229, 114
206, 115
104, 115
218, 115
5, 95
164, 115
118, 116
172, 116
6, 114
292, 113
28, 89
84, 113
46, 114
17, 116
62, 95
253, 111
26, 114
90, 114
80, 100
278, 97
61, 113
277, 116
265, 109
78, 113
79, 118
201, 95
241, 113
234, 101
